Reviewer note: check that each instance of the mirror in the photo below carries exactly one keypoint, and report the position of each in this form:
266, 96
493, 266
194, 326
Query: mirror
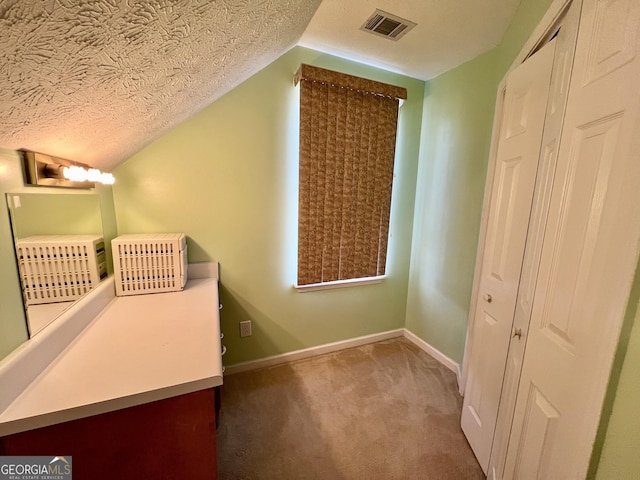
60, 251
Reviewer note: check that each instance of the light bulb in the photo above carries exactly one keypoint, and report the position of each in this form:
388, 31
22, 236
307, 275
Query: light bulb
108, 178
80, 174
75, 174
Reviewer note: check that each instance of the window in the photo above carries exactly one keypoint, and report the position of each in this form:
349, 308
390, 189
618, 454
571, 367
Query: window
347, 148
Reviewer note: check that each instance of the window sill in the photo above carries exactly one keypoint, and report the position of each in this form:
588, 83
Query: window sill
339, 284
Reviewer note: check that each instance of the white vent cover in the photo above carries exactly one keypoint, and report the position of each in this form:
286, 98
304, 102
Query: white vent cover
149, 263
387, 25
60, 268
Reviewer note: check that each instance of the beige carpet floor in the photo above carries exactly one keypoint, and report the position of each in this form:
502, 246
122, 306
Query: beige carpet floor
381, 411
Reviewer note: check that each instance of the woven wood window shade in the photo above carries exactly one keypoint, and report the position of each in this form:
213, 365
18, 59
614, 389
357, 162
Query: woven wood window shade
347, 148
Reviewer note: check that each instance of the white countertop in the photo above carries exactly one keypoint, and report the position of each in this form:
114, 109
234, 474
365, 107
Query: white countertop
138, 349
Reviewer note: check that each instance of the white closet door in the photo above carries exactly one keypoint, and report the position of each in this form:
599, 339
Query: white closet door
589, 252
525, 104
560, 79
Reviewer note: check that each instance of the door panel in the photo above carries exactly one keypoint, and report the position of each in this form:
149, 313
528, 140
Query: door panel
514, 177
538, 435
507, 202
590, 248
587, 177
516, 119
613, 38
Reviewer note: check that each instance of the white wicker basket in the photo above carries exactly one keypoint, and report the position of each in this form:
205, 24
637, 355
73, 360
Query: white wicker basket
149, 263
59, 268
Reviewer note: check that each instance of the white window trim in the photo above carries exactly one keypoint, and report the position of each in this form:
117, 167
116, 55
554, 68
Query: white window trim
352, 282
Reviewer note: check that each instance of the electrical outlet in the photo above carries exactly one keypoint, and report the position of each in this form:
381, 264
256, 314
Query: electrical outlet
245, 328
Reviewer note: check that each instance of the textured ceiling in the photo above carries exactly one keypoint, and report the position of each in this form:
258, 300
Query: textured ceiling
96, 80
448, 33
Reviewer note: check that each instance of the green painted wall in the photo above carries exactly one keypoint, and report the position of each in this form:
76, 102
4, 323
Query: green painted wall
529, 14
456, 135
615, 454
457, 122
109, 226
227, 177
13, 327
45, 214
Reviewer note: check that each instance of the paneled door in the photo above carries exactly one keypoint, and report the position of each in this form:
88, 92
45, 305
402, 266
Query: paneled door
565, 32
589, 252
525, 104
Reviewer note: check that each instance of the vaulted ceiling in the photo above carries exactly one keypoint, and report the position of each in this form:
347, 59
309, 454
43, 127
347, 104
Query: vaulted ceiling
97, 80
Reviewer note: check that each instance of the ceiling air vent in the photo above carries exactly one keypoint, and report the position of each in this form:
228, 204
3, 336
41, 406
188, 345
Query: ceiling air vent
387, 25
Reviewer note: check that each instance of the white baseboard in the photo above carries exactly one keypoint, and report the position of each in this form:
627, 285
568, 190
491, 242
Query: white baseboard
435, 353
312, 351
344, 344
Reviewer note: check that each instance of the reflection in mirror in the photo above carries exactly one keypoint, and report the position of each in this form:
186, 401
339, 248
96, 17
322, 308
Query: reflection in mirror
60, 251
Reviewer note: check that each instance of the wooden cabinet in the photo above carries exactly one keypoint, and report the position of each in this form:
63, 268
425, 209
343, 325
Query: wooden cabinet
173, 438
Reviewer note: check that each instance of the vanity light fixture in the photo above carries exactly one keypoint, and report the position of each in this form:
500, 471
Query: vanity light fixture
46, 170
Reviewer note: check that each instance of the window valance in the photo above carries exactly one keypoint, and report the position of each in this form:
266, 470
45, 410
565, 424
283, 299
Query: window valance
321, 75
